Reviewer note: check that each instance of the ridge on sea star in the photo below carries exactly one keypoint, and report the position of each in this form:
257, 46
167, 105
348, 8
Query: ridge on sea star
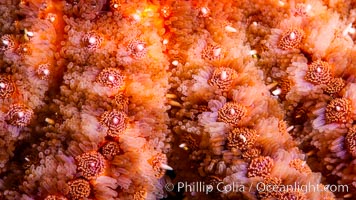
177, 99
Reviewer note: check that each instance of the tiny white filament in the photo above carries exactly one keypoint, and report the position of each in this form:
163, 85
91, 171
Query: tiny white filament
175, 62
277, 92
292, 36
21, 114
140, 47
111, 78
232, 111
223, 75
230, 29
243, 138
92, 40
166, 167
115, 120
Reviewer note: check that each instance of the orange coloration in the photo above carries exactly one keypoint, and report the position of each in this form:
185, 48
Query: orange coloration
300, 10
55, 197
140, 195
282, 127
43, 71
260, 167
293, 195
110, 149
191, 141
7, 86
178, 59
92, 41
122, 102
156, 162
241, 138
251, 153
319, 72
300, 166
272, 182
285, 84
231, 113
19, 115
110, 77
79, 189
137, 48
204, 12
51, 17
149, 11
91, 164
223, 78
165, 11
338, 111
115, 4
24, 49
53, 12
211, 52
115, 122
7, 43
335, 86
350, 141
291, 39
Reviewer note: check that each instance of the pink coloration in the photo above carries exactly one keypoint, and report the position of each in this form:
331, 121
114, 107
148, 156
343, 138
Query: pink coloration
79, 189
110, 77
231, 113
7, 86
92, 41
91, 164
137, 48
115, 121
19, 115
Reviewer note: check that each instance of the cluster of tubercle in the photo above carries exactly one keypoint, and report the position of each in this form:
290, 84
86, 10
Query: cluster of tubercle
18, 114
318, 79
92, 165
224, 117
243, 139
116, 90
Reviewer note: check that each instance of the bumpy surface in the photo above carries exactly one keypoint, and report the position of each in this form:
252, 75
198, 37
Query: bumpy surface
133, 99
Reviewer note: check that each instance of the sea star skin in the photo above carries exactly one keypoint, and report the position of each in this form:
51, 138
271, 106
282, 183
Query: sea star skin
115, 121
232, 113
108, 99
156, 163
92, 41
55, 197
7, 86
211, 52
137, 48
350, 141
223, 78
338, 111
79, 188
260, 166
241, 138
110, 77
8, 43
43, 71
319, 72
291, 39
110, 149
91, 164
19, 115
